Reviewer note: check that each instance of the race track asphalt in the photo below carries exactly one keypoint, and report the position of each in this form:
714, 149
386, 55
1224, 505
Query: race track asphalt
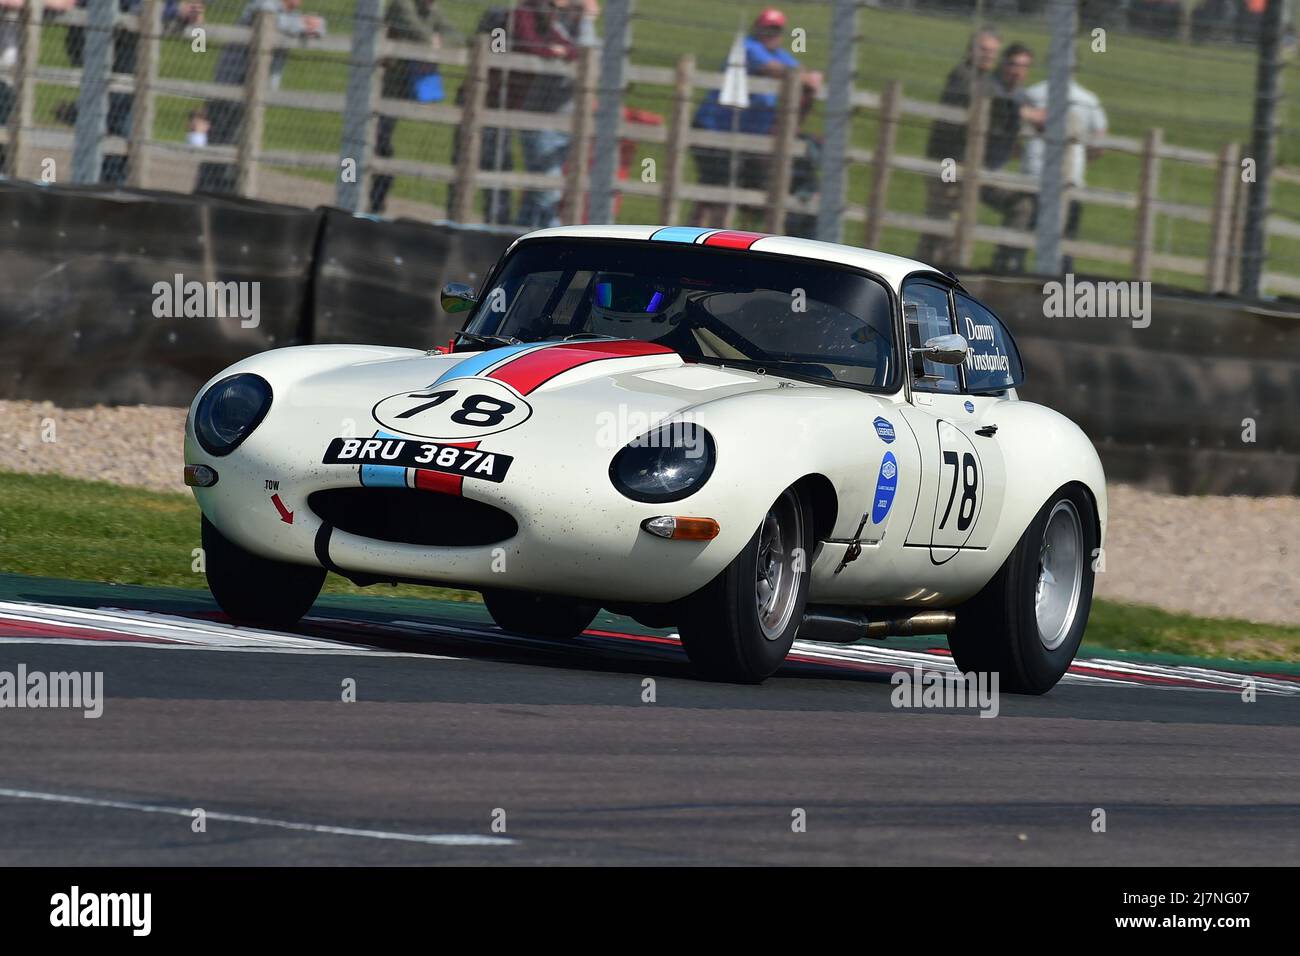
456, 724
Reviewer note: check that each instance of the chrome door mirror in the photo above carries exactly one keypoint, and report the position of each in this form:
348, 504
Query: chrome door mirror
944, 349
459, 297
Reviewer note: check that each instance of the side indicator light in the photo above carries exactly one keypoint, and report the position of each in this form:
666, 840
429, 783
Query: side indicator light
200, 476
682, 529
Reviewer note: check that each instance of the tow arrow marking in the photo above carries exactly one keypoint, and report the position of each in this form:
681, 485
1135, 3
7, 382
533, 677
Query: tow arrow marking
285, 514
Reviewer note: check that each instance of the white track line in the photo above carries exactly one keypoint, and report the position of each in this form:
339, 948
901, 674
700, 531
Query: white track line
436, 839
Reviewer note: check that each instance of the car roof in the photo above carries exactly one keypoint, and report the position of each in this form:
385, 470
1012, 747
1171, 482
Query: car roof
891, 268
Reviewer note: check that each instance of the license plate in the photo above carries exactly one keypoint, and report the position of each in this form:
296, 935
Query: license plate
408, 453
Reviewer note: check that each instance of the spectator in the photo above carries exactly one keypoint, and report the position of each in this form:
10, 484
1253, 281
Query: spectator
627, 149
226, 117
496, 145
11, 36
1085, 123
1007, 112
176, 15
414, 21
947, 140
552, 30
766, 57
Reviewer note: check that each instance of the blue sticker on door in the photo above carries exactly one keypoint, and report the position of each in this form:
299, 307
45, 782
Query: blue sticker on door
885, 429
886, 486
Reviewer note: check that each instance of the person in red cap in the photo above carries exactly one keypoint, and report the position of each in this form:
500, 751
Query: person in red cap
766, 56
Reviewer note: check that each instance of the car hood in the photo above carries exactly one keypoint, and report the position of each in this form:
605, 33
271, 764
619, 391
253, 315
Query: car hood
555, 379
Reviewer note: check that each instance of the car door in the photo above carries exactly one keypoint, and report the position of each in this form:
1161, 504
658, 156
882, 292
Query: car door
963, 481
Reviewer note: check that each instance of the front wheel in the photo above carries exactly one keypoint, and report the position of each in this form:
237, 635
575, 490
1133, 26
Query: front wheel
740, 626
254, 589
1028, 621
537, 615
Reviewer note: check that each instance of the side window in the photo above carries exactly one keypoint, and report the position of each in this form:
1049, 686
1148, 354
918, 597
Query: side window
993, 361
926, 314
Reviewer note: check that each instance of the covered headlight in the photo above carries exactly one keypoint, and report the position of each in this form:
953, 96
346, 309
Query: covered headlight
229, 411
665, 464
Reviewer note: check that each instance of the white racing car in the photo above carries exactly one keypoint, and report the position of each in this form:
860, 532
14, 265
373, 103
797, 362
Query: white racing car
745, 437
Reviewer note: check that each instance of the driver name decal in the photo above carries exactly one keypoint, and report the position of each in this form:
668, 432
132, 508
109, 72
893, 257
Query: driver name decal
886, 487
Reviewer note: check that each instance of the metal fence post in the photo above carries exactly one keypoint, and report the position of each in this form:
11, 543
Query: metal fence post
358, 106
891, 110
972, 166
257, 85
20, 120
1218, 268
1060, 59
839, 118
146, 75
679, 123
1148, 194
609, 109
577, 179
783, 140
470, 136
92, 101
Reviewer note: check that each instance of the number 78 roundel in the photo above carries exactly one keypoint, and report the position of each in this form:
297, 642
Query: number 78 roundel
460, 410
961, 492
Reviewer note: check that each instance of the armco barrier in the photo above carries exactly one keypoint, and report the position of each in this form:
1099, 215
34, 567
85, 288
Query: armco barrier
79, 270
80, 275
377, 282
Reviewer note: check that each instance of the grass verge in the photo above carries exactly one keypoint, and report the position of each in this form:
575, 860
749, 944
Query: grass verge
67, 528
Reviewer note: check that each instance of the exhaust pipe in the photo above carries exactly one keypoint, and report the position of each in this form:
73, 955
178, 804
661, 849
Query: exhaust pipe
844, 625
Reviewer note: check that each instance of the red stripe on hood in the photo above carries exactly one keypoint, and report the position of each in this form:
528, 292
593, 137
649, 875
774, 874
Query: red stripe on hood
532, 369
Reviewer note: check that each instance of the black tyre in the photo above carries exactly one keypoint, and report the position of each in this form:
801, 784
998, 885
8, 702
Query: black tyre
740, 626
1028, 621
254, 589
538, 615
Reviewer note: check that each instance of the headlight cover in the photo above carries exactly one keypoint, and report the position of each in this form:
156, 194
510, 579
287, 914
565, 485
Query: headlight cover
665, 464
229, 411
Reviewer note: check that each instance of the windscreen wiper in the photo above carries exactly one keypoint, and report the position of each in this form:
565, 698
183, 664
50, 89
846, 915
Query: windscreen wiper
488, 339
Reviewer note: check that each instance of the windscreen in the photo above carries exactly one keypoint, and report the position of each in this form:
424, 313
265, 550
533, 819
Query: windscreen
789, 316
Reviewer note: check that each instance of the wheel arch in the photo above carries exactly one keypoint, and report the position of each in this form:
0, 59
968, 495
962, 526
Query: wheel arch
825, 503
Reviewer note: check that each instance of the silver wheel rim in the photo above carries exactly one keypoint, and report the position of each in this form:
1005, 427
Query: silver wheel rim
1060, 575
777, 582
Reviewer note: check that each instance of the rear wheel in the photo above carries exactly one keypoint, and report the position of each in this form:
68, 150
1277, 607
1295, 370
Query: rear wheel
1028, 621
255, 589
740, 626
538, 615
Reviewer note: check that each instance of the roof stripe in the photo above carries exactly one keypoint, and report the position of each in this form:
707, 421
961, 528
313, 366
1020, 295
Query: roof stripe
732, 239
680, 233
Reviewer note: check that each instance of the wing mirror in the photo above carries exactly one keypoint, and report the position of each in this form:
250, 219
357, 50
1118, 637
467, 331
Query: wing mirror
944, 349
459, 297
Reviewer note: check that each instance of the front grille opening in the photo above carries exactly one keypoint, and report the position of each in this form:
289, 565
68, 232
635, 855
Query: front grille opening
407, 516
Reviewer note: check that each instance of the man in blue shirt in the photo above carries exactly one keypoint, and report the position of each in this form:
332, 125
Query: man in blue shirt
766, 57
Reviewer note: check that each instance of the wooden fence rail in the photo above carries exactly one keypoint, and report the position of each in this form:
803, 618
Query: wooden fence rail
470, 114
